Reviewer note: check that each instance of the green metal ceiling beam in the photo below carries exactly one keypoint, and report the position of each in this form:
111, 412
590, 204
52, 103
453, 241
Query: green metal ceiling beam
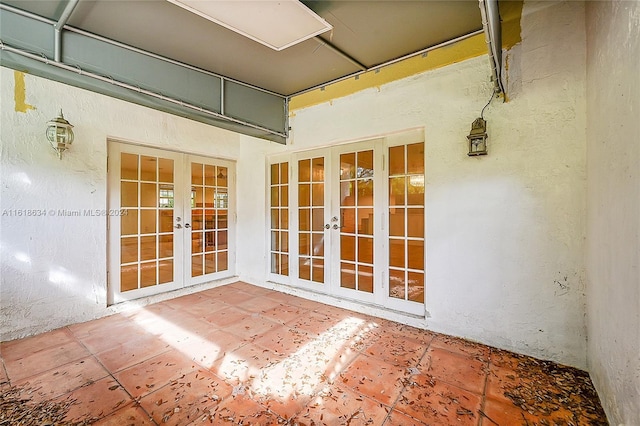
111, 68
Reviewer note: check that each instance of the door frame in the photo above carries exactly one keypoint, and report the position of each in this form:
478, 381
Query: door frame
182, 239
380, 145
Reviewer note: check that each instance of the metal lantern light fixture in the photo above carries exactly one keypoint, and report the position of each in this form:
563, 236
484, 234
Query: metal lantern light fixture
59, 134
478, 137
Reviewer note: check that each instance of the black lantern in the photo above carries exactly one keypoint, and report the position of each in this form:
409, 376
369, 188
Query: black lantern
478, 138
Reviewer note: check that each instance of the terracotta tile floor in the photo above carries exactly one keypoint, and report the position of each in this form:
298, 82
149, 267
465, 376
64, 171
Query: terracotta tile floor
241, 354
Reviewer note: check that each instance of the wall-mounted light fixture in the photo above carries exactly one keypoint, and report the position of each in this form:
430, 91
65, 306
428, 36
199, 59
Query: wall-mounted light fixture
59, 134
478, 137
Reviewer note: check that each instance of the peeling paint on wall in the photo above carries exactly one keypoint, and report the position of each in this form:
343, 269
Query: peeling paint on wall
20, 93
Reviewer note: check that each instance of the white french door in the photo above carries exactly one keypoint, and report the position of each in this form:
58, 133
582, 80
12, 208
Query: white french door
352, 221
170, 224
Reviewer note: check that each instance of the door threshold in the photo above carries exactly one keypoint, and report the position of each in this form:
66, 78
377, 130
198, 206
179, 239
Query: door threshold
413, 320
134, 304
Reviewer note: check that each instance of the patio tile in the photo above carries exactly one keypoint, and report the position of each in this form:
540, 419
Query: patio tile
283, 340
463, 371
154, 373
283, 313
251, 327
131, 415
182, 401
462, 347
96, 400
22, 348
131, 353
397, 349
258, 304
243, 364
337, 405
313, 322
374, 378
226, 316
234, 297
43, 360
433, 401
64, 379
396, 418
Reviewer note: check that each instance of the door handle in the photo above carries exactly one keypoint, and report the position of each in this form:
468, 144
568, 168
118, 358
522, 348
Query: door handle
335, 226
178, 226
186, 225
327, 226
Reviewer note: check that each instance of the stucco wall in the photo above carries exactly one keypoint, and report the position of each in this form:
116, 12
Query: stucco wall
505, 232
505, 236
613, 225
53, 268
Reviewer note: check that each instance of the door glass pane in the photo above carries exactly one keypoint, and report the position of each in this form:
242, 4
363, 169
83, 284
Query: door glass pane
396, 253
365, 278
222, 181
348, 275
128, 166
148, 221
148, 195
209, 175
148, 247
165, 271
128, 277
148, 274
416, 286
415, 158
318, 270
147, 228
166, 246
223, 261
196, 174
396, 160
397, 283
415, 254
304, 268
129, 250
148, 168
304, 171
129, 194
165, 170
129, 222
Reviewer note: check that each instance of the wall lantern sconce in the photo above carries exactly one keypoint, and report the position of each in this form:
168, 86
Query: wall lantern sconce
59, 134
478, 138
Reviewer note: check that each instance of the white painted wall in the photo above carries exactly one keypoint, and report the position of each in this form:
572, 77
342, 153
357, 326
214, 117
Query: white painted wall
53, 269
613, 225
505, 237
505, 233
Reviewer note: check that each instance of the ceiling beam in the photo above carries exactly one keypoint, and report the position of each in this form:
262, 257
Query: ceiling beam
59, 26
341, 53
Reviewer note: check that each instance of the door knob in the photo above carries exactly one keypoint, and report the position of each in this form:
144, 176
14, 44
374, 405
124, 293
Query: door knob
327, 226
186, 225
335, 226
178, 226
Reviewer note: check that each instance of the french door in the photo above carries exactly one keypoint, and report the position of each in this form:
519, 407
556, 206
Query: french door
354, 222
169, 224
